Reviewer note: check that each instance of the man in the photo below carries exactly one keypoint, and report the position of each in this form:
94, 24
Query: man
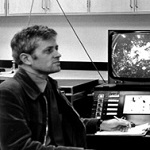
34, 114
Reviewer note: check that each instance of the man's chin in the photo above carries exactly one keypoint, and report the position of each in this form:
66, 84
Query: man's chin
55, 71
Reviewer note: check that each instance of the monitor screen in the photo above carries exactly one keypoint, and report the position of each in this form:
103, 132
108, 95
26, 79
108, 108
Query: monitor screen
136, 104
129, 55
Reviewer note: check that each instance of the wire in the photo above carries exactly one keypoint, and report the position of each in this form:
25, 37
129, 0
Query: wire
80, 41
29, 19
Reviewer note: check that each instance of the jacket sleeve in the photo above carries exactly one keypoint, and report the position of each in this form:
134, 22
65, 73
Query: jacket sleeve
14, 131
92, 125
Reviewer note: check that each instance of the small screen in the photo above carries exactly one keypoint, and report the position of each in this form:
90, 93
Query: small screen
136, 104
129, 54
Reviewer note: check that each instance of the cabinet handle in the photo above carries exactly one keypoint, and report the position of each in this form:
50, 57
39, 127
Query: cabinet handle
88, 5
5, 6
44, 5
131, 4
48, 4
136, 4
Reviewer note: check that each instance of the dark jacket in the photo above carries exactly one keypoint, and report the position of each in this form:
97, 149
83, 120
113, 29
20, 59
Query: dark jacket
23, 116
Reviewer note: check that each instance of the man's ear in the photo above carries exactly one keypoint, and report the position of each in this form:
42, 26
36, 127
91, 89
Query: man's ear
26, 58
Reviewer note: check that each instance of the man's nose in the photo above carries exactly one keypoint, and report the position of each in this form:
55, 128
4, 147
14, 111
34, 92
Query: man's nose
58, 54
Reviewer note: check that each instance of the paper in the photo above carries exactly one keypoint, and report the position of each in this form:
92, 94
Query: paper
138, 130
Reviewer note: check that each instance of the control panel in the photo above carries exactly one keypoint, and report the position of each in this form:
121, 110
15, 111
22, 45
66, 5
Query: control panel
105, 104
129, 102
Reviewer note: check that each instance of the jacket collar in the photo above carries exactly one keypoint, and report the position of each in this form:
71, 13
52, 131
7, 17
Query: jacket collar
28, 84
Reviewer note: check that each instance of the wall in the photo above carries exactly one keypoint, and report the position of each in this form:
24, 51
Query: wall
92, 31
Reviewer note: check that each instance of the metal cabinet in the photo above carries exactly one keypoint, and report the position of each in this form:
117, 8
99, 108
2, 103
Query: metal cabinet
142, 6
2, 7
119, 6
22, 7
87, 7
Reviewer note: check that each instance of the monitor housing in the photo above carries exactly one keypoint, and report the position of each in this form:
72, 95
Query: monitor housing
129, 56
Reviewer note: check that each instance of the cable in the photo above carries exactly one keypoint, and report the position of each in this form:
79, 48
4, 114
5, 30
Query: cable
80, 41
29, 19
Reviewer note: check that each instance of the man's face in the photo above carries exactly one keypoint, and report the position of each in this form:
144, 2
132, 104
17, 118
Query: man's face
45, 59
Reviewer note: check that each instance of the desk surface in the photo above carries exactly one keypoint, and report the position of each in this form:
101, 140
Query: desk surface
72, 83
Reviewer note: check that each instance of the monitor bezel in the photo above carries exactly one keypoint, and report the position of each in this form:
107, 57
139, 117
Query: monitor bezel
111, 77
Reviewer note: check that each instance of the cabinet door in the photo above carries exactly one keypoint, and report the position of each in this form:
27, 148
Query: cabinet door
111, 6
46, 6
24, 6
69, 6
2, 7
142, 5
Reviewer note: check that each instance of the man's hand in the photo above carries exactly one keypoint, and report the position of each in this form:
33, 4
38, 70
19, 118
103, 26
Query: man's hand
115, 124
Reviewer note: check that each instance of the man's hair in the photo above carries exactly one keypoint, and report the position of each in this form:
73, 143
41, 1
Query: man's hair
26, 40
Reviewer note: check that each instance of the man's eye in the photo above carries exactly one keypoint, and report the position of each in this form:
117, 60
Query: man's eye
50, 50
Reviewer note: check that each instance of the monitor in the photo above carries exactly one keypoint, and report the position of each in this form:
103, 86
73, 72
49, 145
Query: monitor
129, 56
